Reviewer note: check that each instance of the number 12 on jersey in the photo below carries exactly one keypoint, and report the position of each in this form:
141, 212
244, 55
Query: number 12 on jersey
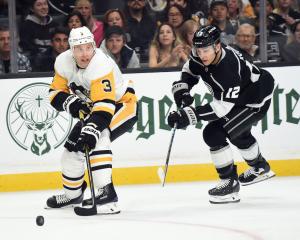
233, 92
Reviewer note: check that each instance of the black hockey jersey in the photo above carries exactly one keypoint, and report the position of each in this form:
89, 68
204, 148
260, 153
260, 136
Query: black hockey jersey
233, 81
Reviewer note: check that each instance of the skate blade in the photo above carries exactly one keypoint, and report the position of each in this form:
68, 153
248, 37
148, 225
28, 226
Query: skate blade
230, 198
69, 206
108, 208
260, 178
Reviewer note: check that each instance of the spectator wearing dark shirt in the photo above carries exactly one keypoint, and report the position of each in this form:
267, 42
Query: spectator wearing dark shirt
23, 64
219, 17
141, 27
44, 62
35, 32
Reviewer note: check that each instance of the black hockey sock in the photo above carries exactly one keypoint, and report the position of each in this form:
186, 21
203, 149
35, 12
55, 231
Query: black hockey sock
257, 162
229, 171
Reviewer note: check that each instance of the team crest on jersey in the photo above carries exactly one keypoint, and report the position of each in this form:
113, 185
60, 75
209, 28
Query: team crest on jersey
33, 123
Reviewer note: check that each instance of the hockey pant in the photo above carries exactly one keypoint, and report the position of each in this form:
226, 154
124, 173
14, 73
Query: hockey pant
235, 126
73, 163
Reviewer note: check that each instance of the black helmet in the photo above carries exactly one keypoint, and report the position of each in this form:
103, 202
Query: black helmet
206, 36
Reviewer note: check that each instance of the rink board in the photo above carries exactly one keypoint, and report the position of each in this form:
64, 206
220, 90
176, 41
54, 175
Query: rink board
26, 117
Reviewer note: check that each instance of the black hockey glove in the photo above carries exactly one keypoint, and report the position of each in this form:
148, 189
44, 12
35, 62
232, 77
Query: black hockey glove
89, 137
74, 104
183, 117
70, 144
182, 94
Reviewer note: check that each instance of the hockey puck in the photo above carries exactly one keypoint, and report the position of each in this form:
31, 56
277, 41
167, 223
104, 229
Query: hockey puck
39, 220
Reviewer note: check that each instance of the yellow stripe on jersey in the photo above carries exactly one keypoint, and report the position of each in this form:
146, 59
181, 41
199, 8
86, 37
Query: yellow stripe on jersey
126, 112
101, 159
60, 84
103, 88
105, 109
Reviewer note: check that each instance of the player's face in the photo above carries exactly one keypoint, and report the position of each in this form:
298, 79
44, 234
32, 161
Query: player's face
83, 54
206, 54
60, 43
115, 43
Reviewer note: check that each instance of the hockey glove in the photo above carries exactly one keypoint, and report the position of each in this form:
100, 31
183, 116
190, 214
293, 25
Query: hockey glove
74, 104
182, 94
70, 144
89, 137
184, 117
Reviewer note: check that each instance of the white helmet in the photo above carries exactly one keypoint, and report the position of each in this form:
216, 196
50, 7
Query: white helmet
80, 36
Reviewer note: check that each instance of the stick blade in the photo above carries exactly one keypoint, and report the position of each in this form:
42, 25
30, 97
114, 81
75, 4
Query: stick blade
81, 211
162, 176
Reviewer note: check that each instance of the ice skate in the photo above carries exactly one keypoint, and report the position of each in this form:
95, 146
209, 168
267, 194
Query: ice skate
256, 174
226, 191
106, 200
62, 201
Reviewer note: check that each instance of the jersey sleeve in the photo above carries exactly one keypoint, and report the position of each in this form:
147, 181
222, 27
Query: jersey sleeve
189, 75
59, 90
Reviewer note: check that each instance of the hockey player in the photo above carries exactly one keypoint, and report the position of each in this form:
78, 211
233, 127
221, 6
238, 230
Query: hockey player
241, 93
88, 80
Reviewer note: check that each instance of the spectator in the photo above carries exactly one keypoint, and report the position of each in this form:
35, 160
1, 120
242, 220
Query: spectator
286, 14
165, 49
35, 32
114, 45
115, 17
176, 17
23, 63
141, 27
85, 7
291, 51
188, 29
256, 7
218, 14
276, 37
74, 20
245, 42
44, 62
236, 14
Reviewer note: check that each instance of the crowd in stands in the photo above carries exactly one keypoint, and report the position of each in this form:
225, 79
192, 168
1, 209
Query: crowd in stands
147, 33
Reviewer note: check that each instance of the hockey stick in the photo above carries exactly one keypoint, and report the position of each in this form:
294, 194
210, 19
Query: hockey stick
82, 211
162, 173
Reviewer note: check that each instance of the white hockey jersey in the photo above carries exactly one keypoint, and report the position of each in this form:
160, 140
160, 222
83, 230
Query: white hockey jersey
101, 82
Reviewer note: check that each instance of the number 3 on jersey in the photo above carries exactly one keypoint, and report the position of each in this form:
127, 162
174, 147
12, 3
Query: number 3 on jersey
233, 92
107, 86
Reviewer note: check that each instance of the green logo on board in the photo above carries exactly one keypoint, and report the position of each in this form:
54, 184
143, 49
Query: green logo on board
33, 123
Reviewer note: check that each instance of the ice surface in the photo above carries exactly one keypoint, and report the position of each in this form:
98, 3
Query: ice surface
268, 210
